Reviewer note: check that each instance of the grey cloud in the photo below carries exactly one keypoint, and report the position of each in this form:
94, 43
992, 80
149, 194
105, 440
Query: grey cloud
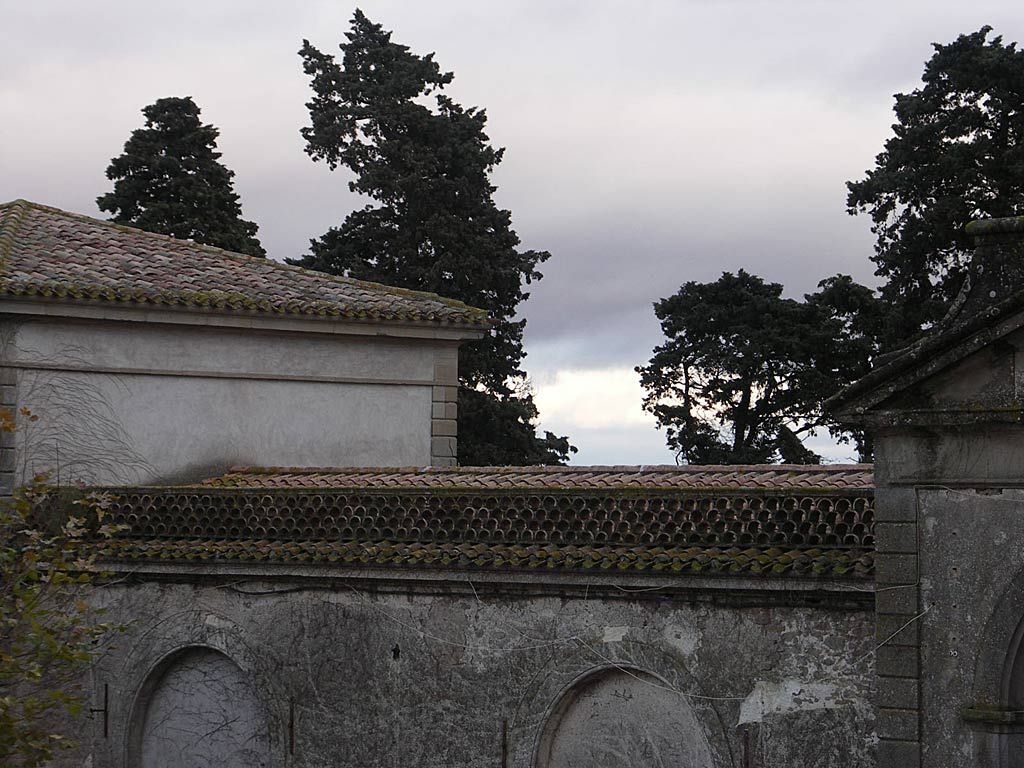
648, 143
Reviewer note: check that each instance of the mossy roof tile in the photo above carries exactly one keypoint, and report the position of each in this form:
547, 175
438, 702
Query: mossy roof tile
55, 255
825, 478
772, 520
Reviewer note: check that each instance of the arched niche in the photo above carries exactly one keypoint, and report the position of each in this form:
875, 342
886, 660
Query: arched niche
996, 709
197, 709
623, 718
1012, 747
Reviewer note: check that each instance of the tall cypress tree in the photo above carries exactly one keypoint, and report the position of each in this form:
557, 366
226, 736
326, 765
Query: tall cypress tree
170, 180
426, 162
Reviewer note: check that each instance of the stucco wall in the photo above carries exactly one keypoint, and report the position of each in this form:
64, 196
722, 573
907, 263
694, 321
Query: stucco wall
410, 669
950, 604
972, 548
140, 403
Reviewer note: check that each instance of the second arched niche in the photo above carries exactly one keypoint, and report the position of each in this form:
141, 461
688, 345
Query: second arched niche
623, 718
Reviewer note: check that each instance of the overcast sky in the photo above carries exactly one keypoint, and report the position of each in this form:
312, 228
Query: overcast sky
647, 143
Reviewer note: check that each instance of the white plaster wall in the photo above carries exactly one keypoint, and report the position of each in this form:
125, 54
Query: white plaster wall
219, 350
136, 404
139, 429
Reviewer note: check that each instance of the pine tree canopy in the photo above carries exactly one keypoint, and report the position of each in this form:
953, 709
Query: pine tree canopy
425, 162
956, 154
743, 372
170, 180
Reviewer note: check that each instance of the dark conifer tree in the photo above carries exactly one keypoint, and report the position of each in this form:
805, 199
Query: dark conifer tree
170, 180
956, 154
426, 162
743, 372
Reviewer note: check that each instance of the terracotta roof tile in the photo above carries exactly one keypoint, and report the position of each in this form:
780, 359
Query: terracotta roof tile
766, 520
470, 556
51, 254
766, 477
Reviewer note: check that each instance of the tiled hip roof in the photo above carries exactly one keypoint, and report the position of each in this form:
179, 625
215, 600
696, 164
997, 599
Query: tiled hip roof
780, 529
54, 255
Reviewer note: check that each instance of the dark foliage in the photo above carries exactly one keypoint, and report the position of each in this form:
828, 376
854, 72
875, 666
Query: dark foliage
170, 180
956, 154
743, 373
426, 163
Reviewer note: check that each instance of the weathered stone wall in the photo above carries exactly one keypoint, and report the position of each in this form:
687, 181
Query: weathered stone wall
972, 548
946, 413
123, 402
950, 582
406, 668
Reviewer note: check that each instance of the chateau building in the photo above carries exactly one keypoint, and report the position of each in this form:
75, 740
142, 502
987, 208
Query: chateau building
306, 579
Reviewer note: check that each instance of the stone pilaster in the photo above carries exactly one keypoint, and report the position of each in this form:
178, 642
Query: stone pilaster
445, 409
897, 627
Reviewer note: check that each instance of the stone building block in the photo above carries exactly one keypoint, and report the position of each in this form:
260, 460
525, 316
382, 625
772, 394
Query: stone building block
896, 537
893, 598
8, 376
897, 724
444, 461
897, 693
446, 373
897, 661
447, 354
8, 395
445, 411
6, 483
895, 505
6, 459
444, 427
898, 630
895, 568
445, 394
899, 754
443, 447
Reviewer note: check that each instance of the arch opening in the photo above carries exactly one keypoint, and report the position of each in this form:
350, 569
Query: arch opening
199, 710
1012, 748
623, 718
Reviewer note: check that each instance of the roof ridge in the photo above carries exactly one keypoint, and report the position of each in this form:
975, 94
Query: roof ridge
556, 469
248, 258
393, 289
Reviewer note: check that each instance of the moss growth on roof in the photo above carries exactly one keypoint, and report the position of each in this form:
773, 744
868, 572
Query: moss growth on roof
50, 254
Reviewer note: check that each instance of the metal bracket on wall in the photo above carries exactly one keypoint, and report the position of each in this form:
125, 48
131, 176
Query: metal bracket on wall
104, 710
291, 726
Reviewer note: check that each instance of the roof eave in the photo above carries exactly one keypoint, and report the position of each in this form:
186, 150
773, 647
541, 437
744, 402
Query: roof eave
925, 357
199, 316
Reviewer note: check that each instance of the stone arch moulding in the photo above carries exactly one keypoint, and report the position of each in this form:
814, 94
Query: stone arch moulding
996, 711
156, 649
638, 669
191, 686
623, 717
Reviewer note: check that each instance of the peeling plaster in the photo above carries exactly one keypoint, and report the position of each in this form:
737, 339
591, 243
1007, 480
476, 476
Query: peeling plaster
785, 697
216, 622
614, 634
684, 639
